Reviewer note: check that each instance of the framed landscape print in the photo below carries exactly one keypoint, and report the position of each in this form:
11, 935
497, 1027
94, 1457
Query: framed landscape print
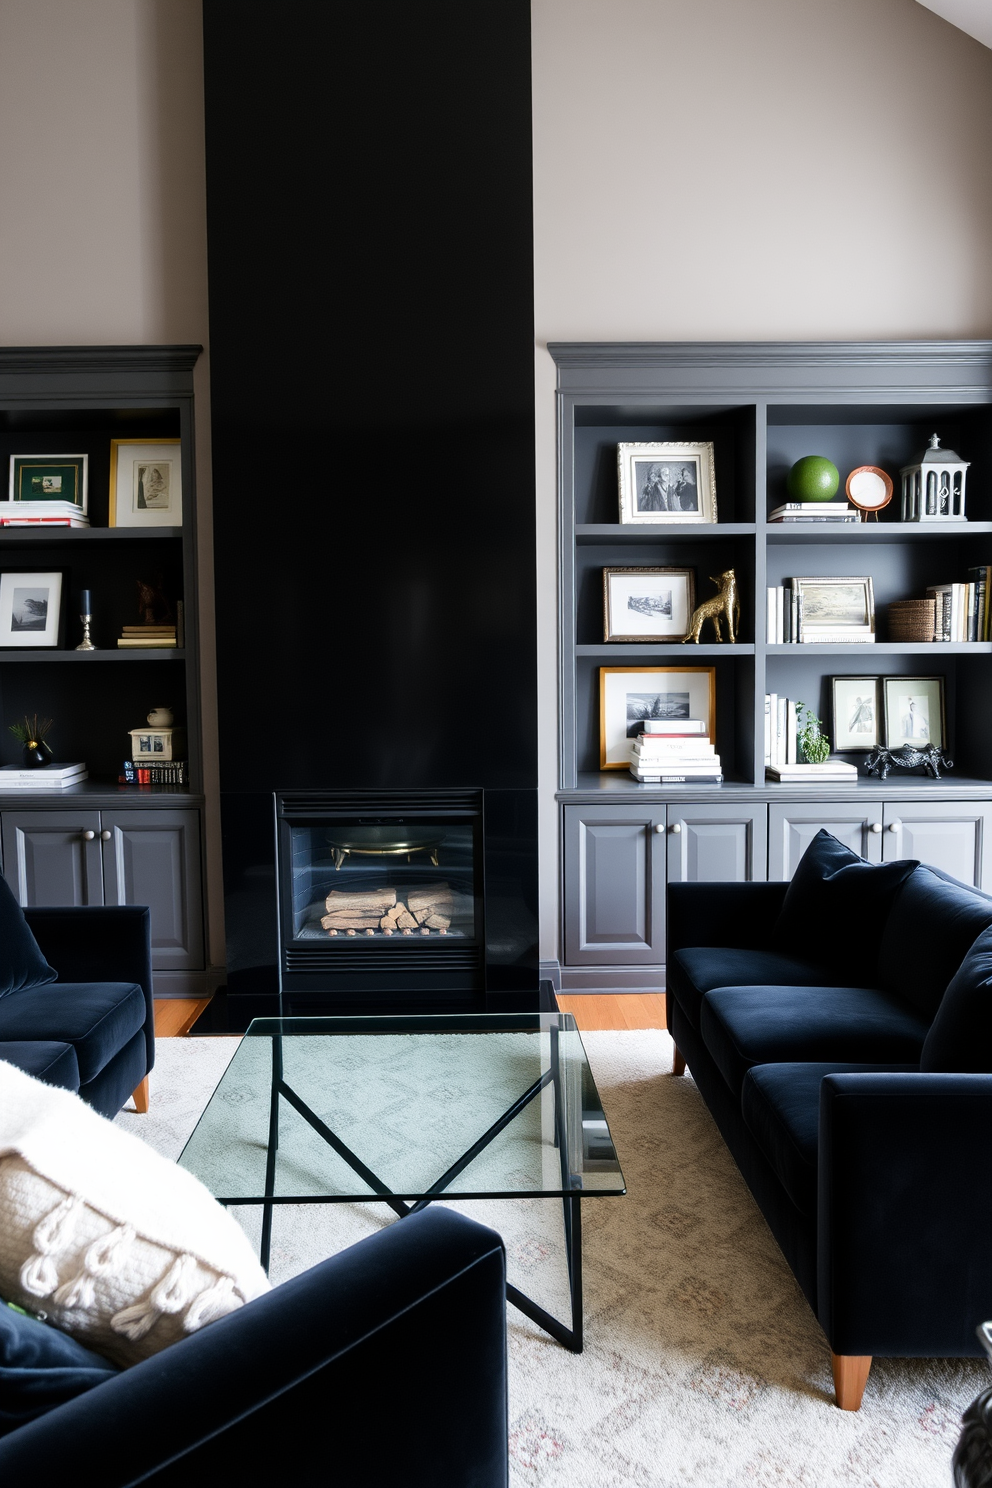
669, 482
647, 604
146, 483
31, 609
914, 712
50, 478
629, 695
856, 713
835, 607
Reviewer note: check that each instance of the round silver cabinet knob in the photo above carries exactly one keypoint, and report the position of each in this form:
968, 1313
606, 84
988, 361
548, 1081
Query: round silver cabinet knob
105, 836
676, 828
88, 836
894, 826
875, 827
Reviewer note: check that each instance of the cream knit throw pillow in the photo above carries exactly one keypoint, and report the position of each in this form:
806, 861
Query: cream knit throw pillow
110, 1241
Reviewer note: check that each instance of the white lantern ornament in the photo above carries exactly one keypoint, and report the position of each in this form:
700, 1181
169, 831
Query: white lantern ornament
933, 488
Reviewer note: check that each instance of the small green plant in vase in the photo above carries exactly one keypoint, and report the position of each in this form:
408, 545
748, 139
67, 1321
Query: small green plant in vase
34, 751
810, 736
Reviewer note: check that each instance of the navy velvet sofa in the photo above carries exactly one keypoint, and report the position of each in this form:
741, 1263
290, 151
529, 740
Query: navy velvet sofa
385, 1364
76, 1006
840, 1031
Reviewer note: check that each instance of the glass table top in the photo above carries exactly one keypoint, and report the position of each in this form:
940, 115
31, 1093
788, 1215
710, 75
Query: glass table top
468, 1105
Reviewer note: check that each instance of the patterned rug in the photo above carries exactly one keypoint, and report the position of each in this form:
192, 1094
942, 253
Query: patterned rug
703, 1364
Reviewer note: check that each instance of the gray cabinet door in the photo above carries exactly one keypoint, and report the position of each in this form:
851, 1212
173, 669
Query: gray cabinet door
791, 829
53, 857
952, 835
614, 885
717, 844
153, 858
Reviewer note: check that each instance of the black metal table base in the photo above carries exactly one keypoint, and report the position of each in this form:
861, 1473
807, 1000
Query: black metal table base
569, 1337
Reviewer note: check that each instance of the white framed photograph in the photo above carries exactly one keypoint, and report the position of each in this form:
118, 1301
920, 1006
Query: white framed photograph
914, 712
630, 695
856, 713
835, 607
146, 485
670, 482
31, 609
647, 604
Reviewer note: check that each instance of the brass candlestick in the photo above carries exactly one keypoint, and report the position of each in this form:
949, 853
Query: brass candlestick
86, 644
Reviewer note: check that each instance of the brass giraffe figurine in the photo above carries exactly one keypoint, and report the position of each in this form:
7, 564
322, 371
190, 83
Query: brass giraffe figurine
725, 603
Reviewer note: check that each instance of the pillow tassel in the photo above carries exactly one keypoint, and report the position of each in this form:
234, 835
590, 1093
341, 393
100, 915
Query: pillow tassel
134, 1322
216, 1302
55, 1230
173, 1292
79, 1293
39, 1275
106, 1254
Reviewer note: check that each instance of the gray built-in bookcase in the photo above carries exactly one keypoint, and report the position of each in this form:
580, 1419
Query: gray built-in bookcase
763, 405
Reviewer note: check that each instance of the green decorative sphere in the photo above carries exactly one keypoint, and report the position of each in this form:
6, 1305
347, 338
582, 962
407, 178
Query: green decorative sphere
813, 478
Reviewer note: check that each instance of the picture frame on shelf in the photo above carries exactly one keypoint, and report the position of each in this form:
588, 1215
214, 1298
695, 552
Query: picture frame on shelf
629, 695
647, 604
32, 612
914, 712
670, 482
50, 478
146, 487
855, 714
834, 607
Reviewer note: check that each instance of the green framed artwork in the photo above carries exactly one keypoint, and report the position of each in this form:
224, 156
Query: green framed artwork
50, 478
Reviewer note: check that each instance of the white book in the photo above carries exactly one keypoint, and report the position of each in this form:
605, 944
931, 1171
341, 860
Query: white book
847, 635
683, 767
791, 754
825, 767
770, 614
674, 726
663, 748
815, 508
27, 786
768, 728
780, 725
43, 772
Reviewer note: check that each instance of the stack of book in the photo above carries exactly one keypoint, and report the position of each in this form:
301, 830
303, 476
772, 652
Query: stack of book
814, 511
147, 636
155, 772
675, 751
834, 770
42, 514
962, 610
43, 778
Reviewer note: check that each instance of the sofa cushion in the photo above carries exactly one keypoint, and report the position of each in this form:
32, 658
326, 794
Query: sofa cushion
743, 1026
836, 907
22, 964
932, 926
960, 1037
41, 1368
96, 1018
780, 1104
54, 1063
697, 970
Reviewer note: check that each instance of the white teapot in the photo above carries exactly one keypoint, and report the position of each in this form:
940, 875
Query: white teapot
160, 718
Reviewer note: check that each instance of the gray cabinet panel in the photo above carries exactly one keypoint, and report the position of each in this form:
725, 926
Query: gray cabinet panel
49, 861
708, 844
614, 885
153, 858
791, 829
953, 836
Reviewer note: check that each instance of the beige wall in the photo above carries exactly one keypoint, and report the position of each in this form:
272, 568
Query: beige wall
747, 170
103, 215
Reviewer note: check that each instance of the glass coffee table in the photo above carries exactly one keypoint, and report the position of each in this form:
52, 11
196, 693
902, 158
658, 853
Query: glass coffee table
406, 1110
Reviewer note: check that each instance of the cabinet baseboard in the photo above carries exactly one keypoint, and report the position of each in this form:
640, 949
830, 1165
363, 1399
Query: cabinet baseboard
612, 979
188, 983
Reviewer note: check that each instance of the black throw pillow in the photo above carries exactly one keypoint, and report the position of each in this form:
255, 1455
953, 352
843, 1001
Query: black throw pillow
21, 963
40, 1368
960, 1037
835, 908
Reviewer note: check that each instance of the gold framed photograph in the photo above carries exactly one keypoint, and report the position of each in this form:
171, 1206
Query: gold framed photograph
647, 604
669, 482
629, 695
146, 484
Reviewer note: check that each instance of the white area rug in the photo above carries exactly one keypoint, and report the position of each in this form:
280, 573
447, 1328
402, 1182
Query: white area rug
703, 1363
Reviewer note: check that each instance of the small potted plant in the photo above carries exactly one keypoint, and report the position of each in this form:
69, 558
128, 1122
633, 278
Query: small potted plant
34, 751
810, 736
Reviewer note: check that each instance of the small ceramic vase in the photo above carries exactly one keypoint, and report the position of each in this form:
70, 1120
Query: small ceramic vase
160, 718
35, 753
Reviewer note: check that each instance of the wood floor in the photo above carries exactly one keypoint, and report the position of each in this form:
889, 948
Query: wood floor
175, 1016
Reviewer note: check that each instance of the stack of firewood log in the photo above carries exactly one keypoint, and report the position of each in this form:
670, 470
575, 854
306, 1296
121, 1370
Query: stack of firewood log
427, 908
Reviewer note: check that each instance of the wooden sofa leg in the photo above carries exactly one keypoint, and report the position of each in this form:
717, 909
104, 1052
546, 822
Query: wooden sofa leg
850, 1378
678, 1063
140, 1098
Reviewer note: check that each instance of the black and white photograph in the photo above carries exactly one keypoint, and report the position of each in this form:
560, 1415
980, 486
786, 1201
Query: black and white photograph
671, 482
30, 609
145, 483
914, 712
855, 713
647, 604
835, 604
630, 695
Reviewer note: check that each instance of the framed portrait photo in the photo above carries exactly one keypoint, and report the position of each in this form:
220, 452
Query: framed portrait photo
629, 695
50, 478
146, 488
856, 713
914, 712
31, 609
664, 483
647, 604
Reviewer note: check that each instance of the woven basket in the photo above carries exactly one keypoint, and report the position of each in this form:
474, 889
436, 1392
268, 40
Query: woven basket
911, 620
